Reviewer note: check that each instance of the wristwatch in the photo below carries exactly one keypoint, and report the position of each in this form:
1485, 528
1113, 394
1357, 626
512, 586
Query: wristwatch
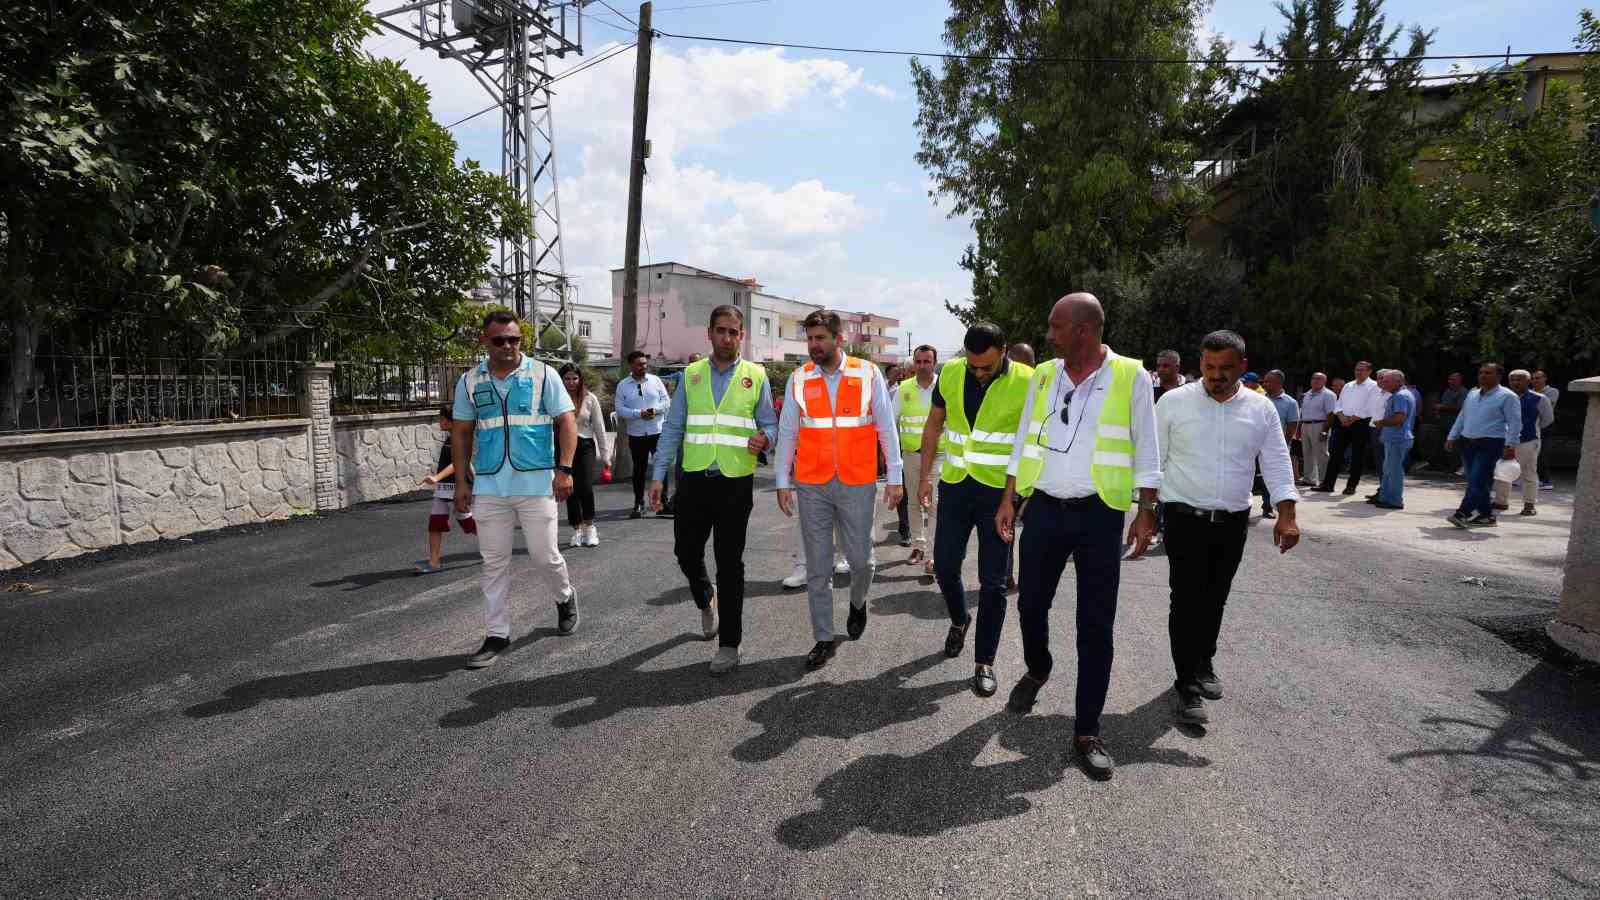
1147, 506
565, 470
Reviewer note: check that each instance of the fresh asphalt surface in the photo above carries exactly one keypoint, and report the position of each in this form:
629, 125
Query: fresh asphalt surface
281, 710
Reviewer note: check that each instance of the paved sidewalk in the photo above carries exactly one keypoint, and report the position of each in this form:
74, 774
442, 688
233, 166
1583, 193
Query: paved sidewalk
281, 710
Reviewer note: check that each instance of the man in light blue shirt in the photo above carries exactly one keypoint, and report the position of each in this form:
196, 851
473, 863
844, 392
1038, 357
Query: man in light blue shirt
1399, 418
1487, 431
514, 433
642, 402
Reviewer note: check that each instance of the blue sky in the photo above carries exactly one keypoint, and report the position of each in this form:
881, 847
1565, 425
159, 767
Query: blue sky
797, 167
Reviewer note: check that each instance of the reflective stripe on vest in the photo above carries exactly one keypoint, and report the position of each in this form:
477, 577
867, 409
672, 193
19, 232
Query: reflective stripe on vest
981, 449
1111, 466
720, 433
843, 445
913, 415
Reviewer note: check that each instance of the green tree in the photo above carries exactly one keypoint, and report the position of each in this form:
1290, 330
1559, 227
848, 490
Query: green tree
1064, 167
1519, 267
218, 174
1183, 295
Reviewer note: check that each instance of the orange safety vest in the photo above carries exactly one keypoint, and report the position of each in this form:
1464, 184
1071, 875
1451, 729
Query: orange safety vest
843, 444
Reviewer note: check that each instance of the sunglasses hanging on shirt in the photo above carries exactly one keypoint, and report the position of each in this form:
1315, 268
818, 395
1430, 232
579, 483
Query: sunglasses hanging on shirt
1064, 403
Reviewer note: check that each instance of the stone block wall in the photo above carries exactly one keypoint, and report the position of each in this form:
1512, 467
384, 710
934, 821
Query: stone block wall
87, 491
385, 454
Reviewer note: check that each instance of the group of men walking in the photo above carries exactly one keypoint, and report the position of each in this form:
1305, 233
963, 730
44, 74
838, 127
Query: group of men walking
990, 443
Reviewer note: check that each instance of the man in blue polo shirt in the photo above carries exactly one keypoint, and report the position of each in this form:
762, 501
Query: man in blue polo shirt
1396, 435
515, 430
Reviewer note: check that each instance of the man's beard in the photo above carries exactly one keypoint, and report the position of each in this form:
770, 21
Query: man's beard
724, 356
1218, 387
820, 356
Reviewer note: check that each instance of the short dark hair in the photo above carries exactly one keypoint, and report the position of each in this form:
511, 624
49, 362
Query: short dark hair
983, 337
1275, 373
726, 309
638, 354
824, 318
1498, 369
447, 411
501, 317
927, 347
1223, 339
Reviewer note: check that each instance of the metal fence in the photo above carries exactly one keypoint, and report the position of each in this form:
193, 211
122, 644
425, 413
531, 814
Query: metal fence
391, 386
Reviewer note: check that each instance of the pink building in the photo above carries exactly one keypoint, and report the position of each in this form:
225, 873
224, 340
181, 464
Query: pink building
675, 303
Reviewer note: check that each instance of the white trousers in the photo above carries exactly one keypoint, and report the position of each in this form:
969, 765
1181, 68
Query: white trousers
922, 523
1313, 451
497, 517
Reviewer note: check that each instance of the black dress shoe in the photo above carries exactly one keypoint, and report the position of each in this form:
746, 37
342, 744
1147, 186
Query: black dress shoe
820, 654
983, 683
1024, 694
1267, 513
1319, 489
1091, 752
1349, 491
637, 513
1210, 686
857, 623
956, 639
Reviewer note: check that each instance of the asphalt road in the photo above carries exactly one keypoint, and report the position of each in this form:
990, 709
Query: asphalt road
282, 711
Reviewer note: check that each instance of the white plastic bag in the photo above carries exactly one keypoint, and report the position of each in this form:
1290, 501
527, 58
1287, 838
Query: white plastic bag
1507, 470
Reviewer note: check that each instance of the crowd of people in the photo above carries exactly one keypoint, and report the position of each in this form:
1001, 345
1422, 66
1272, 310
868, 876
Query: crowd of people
1052, 457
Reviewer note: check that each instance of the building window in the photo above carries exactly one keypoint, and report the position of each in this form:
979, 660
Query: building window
585, 329
766, 327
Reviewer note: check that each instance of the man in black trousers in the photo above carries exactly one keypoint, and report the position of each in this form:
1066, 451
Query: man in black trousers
1212, 437
1359, 403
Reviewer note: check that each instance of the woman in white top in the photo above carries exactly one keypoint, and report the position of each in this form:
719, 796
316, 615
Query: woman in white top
591, 447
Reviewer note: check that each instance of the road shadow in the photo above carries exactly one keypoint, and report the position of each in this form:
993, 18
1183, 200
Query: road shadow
360, 580
926, 604
1452, 533
302, 685
623, 685
843, 710
943, 788
752, 589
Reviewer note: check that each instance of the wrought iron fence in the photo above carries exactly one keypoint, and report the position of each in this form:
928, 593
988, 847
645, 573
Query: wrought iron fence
367, 386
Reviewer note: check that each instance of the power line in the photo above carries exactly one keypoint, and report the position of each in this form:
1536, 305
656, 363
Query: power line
712, 5
568, 73
620, 14
1502, 54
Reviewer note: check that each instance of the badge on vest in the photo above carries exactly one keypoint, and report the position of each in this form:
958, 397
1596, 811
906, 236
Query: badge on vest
747, 382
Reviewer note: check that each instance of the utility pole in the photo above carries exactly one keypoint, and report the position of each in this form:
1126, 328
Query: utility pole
630, 257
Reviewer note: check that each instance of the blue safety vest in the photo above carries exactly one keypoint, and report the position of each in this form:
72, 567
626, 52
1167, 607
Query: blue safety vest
509, 427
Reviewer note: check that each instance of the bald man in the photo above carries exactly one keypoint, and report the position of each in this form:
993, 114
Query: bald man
1087, 441
1020, 353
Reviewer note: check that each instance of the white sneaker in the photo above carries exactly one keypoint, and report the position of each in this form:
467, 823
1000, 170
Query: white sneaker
592, 536
841, 566
797, 578
577, 538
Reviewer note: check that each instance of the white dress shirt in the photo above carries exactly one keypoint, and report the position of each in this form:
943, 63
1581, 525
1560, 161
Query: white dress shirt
1209, 450
1317, 406
1069, 475
1361, 400
633, 397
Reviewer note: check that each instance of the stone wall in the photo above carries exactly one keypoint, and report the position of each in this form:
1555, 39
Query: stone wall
66, 494
384, 454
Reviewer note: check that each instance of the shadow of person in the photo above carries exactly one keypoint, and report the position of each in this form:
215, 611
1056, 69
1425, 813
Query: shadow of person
927, 604
360, 580
622, 685
939, 789
1131, 736
828, 709
301, 685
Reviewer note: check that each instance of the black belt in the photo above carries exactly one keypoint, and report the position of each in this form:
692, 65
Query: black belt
1312, 421
1210, 515
1069, 503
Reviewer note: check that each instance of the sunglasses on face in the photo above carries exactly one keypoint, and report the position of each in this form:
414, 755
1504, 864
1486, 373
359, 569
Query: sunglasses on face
506, 340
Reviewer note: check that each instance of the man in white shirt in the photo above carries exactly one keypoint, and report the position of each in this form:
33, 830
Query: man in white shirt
1359, 403
1086, 442
1212, 435
1541, 383
642, 402
1316, 409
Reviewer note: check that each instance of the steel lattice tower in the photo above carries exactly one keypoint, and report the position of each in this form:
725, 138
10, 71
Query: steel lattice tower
506, 46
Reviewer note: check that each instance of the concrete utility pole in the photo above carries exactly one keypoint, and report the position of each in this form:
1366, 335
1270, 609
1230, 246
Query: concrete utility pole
630, 255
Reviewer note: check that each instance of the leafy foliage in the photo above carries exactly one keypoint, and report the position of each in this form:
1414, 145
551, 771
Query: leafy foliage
1064, 167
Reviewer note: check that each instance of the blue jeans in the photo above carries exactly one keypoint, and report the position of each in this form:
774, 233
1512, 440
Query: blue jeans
1392, 484
1090, 533
963, 507
1479, 456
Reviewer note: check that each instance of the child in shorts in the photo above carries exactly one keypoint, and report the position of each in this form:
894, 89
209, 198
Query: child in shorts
444, 495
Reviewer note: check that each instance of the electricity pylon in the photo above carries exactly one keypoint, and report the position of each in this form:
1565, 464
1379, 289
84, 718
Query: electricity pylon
506, 46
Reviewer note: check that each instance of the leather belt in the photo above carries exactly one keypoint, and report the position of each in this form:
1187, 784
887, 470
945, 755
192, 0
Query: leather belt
1312, 421
1068, 503
1213, 516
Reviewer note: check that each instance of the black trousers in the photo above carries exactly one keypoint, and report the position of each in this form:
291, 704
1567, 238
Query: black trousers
1202, 557
580, 506
1356, 436
718, 508
641, 448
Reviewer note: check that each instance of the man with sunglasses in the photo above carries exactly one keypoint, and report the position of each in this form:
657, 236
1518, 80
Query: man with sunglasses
976, 409
1086, 442
514, 434
642, 402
